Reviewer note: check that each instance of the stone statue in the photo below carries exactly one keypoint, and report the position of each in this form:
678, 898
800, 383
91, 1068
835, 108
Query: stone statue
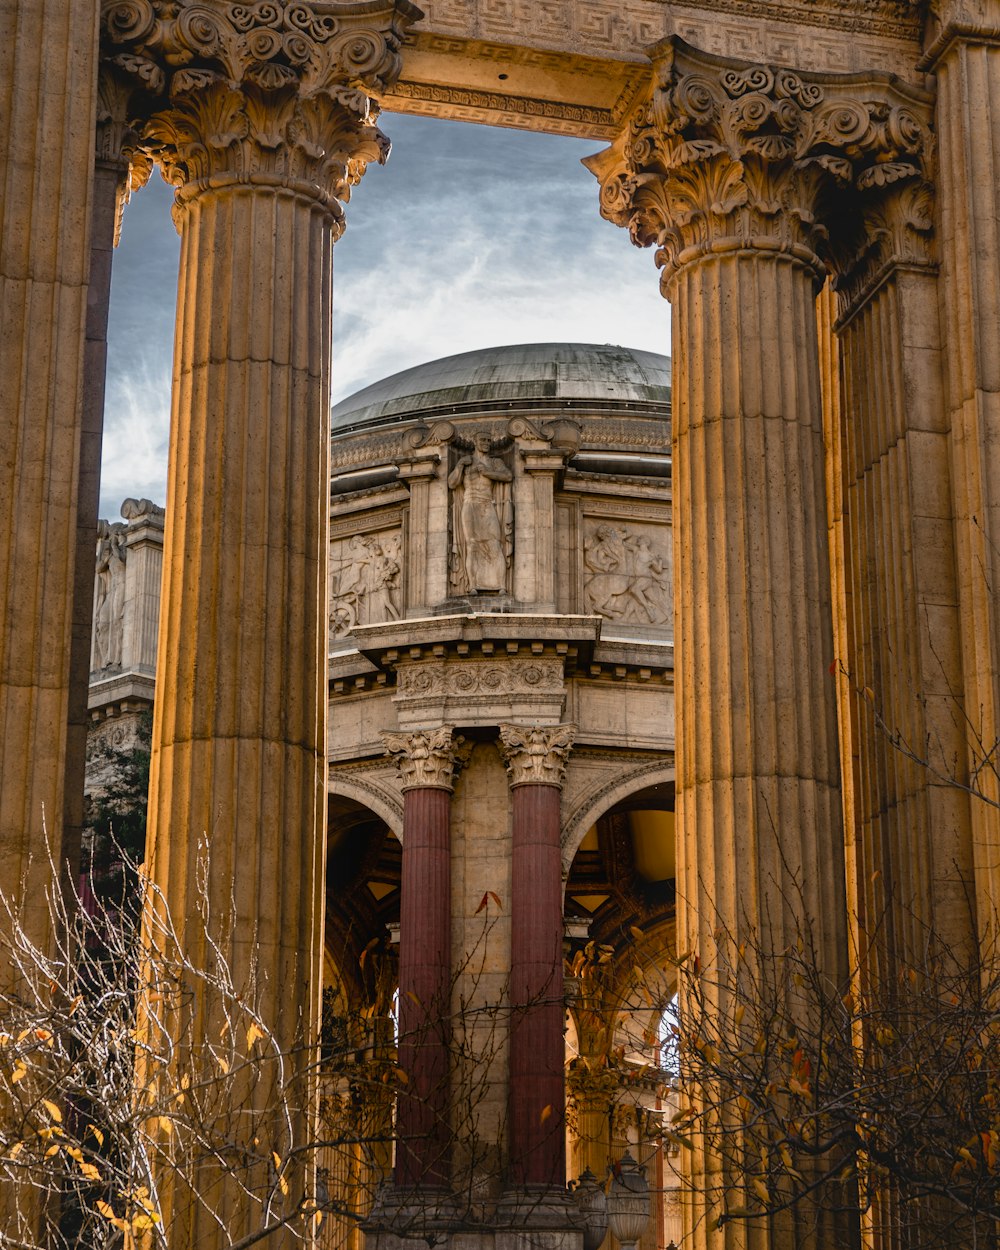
109, 596
482, 519
365, 582
627, 580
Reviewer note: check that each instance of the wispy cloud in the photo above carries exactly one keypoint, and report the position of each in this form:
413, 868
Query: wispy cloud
468, 238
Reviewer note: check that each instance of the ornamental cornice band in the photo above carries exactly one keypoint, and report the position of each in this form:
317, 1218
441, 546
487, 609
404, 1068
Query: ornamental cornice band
276, 92
536, 755
427, 759
726, 156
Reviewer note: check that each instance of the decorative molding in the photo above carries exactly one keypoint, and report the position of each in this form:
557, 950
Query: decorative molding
728, 156
480, 692
536, 755
262, 93
427, 758
363, 782
465, 676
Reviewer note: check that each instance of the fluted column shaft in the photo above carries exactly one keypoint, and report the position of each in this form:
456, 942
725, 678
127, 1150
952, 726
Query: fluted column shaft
48, 67
536, 761
428, 761
239, 738
967, 68
422, 1125
239, 748
756, 741
914, 857
537, 1048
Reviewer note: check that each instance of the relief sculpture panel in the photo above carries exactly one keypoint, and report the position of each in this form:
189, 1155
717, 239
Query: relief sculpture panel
627, 573
365, 573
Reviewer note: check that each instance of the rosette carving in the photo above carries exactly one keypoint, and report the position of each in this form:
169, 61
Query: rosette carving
427, 758
727, 157
535, 754
278, 92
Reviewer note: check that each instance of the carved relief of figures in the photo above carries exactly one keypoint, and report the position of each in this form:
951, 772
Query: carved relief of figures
109, 596
364, 586
626, 579
482, 518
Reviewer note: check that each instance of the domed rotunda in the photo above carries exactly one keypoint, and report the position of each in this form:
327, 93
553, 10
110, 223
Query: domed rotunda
501, 703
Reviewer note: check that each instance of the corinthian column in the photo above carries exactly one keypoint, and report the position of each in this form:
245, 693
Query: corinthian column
726, 169
428, 762
264, 125
536, 761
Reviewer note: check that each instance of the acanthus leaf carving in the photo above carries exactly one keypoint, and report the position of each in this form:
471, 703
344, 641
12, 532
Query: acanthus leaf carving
536, 754
723, 156
427, 758
263, 91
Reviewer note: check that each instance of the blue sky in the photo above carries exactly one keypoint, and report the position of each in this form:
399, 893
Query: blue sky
469, 237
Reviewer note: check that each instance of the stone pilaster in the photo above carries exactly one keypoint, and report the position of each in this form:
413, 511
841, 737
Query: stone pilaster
727, 170
263, 126
536, 762
428, 763
965, 58
913, 859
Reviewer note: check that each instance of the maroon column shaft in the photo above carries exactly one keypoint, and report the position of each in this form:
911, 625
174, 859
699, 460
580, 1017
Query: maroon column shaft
422, 1128
537, 1097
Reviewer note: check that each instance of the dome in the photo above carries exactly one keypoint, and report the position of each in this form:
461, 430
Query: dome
528, 375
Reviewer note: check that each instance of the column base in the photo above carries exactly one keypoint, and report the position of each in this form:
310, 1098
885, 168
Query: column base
420, 1213
538, 1207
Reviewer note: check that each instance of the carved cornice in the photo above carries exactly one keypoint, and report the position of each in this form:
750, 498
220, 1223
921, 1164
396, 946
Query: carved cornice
726, 156
269, 92
427, 759
536, 755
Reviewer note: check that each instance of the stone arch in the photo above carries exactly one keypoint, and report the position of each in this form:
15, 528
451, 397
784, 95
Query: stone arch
602, 796
382, 800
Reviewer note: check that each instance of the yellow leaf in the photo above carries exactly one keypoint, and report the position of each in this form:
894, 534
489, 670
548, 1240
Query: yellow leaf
19, 1073
144, 1221
636, 932
15, 1150
52, 1150
97, 1133
760, 1189
254, 1034
89, 1171
545, 1113
166, 1124
53, 1110
223, 1064
738, 1014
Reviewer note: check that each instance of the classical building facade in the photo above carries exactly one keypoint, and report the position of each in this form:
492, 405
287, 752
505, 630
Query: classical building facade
815, 177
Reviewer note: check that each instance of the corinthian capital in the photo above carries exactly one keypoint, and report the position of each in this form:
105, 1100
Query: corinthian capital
277, 92
725, 156
427, 758
536, 755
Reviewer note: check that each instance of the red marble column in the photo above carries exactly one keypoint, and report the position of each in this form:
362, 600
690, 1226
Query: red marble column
535, 760
427, 762
424, 967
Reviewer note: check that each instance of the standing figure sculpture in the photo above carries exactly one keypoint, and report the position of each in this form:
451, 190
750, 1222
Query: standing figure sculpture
482, 520
109, 599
